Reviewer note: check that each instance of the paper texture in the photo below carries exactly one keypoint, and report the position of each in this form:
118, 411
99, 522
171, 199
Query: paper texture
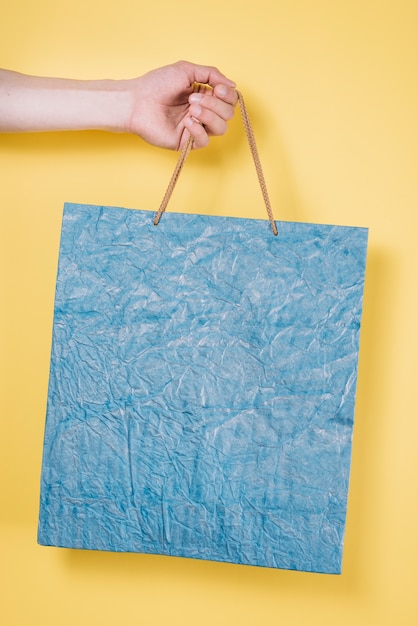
202, 387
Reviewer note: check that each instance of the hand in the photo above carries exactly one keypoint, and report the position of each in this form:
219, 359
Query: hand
161, 106
166, 108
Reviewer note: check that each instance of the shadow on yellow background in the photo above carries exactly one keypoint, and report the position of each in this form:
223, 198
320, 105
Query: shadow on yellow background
332, 92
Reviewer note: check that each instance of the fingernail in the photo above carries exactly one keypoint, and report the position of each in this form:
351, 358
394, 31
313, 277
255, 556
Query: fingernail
195, 97
222, 90
196, 110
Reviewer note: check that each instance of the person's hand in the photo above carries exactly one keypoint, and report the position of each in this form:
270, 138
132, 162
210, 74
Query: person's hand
167, 108
162, 106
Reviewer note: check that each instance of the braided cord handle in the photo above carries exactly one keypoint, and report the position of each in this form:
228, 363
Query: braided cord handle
253, 146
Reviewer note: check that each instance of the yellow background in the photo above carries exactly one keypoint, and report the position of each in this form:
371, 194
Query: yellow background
332, 88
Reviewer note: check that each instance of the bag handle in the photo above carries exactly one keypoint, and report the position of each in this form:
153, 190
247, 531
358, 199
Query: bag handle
251, 140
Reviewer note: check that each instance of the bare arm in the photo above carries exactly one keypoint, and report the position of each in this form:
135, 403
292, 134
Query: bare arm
161, 106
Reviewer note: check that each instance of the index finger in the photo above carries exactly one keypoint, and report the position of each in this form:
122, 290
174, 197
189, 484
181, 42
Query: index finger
206, 74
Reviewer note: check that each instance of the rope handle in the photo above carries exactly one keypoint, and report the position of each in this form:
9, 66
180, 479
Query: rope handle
253, 146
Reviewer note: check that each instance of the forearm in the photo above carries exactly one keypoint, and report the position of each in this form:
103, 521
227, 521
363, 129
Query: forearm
30, 103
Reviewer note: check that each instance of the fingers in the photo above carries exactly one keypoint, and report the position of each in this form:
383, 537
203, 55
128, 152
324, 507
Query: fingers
204, 74
212, 104
213, 108
216, 98
198, 132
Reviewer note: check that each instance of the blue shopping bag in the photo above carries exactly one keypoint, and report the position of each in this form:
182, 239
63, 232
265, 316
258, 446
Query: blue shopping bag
202, 387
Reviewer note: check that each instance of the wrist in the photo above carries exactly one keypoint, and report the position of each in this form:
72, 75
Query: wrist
111, 105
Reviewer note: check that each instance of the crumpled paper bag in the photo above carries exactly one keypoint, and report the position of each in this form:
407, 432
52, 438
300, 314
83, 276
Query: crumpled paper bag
202, 387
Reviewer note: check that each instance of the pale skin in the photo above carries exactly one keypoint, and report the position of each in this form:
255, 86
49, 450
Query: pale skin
162, 106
